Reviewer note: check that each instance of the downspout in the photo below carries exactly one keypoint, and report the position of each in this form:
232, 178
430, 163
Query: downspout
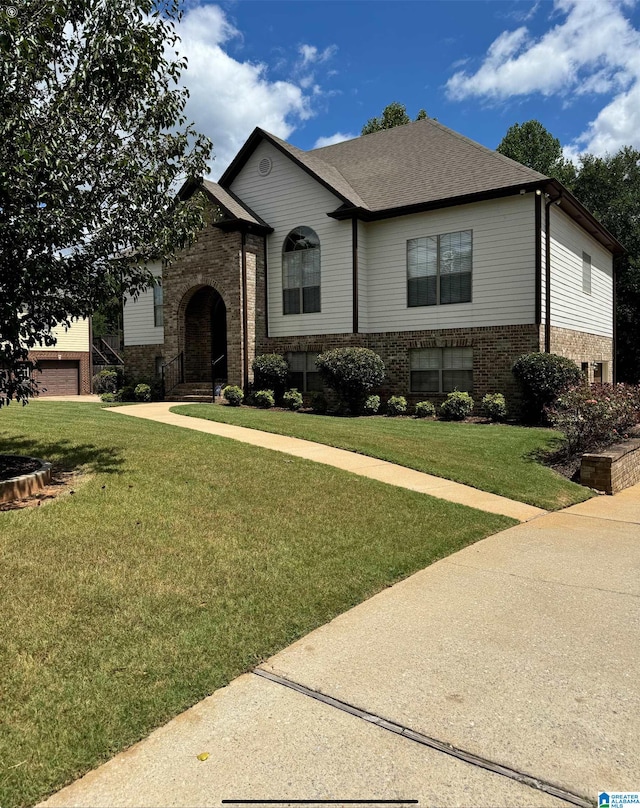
547, 271
90, 354
614, 346
354, 267
266, 289
245, 341
538, 257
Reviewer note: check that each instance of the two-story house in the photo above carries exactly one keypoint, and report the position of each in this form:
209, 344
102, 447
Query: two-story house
446, 258
64, 369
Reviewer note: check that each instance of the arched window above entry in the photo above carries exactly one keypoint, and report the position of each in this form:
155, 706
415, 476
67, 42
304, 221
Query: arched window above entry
301, 272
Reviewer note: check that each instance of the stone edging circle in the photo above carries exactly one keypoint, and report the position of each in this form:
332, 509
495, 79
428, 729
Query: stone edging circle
26, 484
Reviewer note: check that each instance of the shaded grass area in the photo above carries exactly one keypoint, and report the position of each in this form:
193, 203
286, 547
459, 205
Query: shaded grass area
498, 458
185, 560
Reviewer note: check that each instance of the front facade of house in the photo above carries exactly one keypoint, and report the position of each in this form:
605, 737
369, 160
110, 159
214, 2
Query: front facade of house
448, 260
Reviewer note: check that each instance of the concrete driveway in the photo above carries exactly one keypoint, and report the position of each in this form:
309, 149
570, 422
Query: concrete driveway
504, 675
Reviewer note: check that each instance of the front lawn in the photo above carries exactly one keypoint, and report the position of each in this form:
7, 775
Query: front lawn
184, 560
492, 457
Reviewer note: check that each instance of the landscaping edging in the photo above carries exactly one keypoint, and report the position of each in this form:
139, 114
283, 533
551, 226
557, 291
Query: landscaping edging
614, 469
26, 484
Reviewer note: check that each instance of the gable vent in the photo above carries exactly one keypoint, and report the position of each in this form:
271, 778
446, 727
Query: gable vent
264, 166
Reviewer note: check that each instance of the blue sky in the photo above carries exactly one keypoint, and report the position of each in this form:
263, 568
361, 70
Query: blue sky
315, 72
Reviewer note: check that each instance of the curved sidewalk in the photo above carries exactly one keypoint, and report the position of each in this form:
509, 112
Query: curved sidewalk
363, 465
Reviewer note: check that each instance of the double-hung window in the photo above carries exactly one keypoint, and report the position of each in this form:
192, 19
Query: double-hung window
439, 269
303, 373
441, 370
301, 272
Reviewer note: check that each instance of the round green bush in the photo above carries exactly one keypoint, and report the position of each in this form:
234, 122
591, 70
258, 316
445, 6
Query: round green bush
494, 406
108, 398
128, 393
293, 399
263, 399
233, 395
319, 403
424, 409
352, 373
142, 392
542, 378
371, 405
105, 382
396, 405
457, 406
270, 372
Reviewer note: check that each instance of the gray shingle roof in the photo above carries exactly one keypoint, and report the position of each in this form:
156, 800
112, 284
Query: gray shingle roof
231, 203
419, 163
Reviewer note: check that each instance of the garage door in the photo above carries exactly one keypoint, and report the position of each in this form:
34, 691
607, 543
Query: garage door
61, 378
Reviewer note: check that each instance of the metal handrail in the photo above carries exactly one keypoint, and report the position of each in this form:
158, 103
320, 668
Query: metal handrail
173, 373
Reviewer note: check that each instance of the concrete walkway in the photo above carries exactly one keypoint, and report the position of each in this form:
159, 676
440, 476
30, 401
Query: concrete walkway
341, 459
504, 675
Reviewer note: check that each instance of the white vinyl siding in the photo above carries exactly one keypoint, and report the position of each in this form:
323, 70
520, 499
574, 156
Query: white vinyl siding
138, 317
571, 306
288, 198
76, 338
363, 241
503, 276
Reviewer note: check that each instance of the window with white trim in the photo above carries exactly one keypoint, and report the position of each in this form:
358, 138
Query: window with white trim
441, 370
301, 272
439, 269
586, 273
158, 299
303, 373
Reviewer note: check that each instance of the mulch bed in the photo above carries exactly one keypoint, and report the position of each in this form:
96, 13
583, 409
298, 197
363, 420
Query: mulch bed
12, 466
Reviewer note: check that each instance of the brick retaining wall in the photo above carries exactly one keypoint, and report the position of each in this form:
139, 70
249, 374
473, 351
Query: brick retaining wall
614, 469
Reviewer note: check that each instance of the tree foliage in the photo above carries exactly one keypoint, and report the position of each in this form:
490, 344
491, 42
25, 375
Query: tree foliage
534, 146
394, 114
93, 140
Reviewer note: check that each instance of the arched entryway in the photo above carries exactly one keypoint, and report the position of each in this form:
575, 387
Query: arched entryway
205, 336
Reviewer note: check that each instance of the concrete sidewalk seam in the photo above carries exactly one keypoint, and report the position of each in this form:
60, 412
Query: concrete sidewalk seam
568, 512
433, 743
447, 560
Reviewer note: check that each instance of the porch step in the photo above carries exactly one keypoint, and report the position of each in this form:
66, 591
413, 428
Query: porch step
191, 391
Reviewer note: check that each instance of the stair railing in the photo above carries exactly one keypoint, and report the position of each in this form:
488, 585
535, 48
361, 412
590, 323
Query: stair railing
173, 373
214, 362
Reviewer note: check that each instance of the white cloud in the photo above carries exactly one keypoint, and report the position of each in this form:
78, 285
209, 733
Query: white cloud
594, 50
331, 139
229, 98
310, 54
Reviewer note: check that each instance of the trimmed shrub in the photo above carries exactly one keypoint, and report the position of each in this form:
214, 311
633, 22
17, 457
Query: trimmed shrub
543, 377
127, 393
396, 405
105, 382
233, 395
371, 405
494, 406
293, 399
319, 403
352, 373
424, 409
457, 406
592, 416
270, 372
108, 398
142, 392
263, 399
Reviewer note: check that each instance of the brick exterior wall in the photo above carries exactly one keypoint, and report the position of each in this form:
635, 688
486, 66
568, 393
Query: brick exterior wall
613, 470
83, 357
494, 352
581, 347
140, 360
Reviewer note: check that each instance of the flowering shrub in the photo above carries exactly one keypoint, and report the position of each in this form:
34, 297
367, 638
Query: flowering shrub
371, 405
396, 405
494, 406
457, 406
293, 399
595, 415
425, 409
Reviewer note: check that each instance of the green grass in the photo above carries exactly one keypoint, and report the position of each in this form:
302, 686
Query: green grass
184, 560
492, 457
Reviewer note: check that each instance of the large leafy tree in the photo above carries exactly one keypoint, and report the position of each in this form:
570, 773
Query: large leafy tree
93, 140
532, 145
394, 114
